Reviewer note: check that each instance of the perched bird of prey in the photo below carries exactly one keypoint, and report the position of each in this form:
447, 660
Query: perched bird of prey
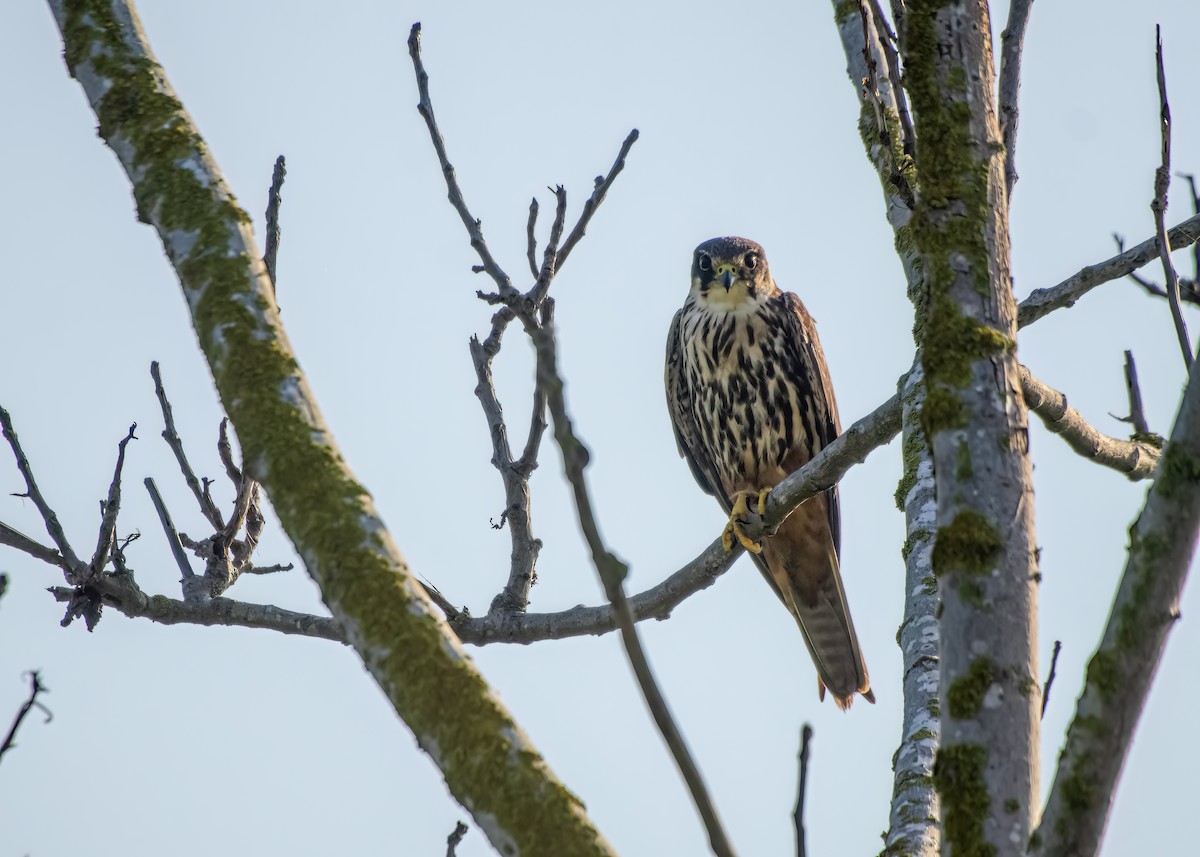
751, 401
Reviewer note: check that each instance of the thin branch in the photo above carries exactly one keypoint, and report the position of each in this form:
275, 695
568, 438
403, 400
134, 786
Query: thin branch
225, 451
453, 192
1162, 543
274, 233
108, 524
798, 816
53, 527
168, 526
1162, 180
1013, 43
35, 688
226, 612
531, 237
1137, 416
612, 575
207, 507
1137, 459
1050, 678
888, 41
1041, 302
456, 836
37, 550
603, 183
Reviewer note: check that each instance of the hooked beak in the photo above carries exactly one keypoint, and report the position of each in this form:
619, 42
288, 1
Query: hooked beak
726, 279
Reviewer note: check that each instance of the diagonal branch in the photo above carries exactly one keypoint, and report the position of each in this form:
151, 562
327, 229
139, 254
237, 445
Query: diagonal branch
73, 564
207, 507
612, 575
1042, 302
1119, 675
274, 233
35, 689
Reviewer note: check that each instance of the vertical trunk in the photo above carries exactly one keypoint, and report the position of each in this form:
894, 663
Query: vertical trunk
974, 418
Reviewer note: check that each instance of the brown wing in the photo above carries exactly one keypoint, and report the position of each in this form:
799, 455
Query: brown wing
825, 425
687, 433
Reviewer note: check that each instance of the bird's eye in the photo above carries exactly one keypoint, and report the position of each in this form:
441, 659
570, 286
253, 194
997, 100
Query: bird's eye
704, 262
751, 260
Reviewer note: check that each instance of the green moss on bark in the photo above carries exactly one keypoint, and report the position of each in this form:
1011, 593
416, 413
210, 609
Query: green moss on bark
969, 543
958, 775
965, 696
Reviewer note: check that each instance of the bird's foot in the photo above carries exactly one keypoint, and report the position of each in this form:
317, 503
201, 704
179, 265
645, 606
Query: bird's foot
741, 508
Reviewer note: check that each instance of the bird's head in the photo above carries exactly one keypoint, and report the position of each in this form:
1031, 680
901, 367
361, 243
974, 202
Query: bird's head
730, 274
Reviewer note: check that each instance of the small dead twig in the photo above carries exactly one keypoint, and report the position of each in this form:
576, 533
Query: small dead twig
35, 688
805, 738
531, 237
460, 830
1050, 677
274, 233
207, 507
1137, 416
1162, 180
173, 540
73, 565
106, 541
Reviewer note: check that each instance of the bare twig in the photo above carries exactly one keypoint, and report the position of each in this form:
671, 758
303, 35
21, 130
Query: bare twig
1137, 459
603, 183
53, 527
1013, 43
168, 526
225, 451
1187, 288
37, 550
35, 688
1050, 678
1137, 416
274, 233
612, 575
1162, 180
207, 507
456, 836
798, 816
1042, 302
108, 524
453, 192
531, 237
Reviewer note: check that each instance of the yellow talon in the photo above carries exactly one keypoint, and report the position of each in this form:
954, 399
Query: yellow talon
733, 529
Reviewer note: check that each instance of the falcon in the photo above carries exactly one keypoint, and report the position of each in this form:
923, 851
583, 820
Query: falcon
751, 401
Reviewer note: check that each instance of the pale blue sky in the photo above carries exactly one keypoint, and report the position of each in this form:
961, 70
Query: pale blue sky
197, 740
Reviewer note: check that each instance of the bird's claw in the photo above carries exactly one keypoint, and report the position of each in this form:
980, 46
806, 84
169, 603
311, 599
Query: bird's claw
733, 529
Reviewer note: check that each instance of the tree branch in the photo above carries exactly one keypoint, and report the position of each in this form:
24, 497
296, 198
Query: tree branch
274, 233
612, 573
1119, 675
1137, 459
207, 507
798, 816
1158, 205
1042, 302
1013, 43
35, 688
488, 763
73, 565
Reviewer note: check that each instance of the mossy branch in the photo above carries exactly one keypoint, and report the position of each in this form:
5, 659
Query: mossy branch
489, 765
1162, 543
